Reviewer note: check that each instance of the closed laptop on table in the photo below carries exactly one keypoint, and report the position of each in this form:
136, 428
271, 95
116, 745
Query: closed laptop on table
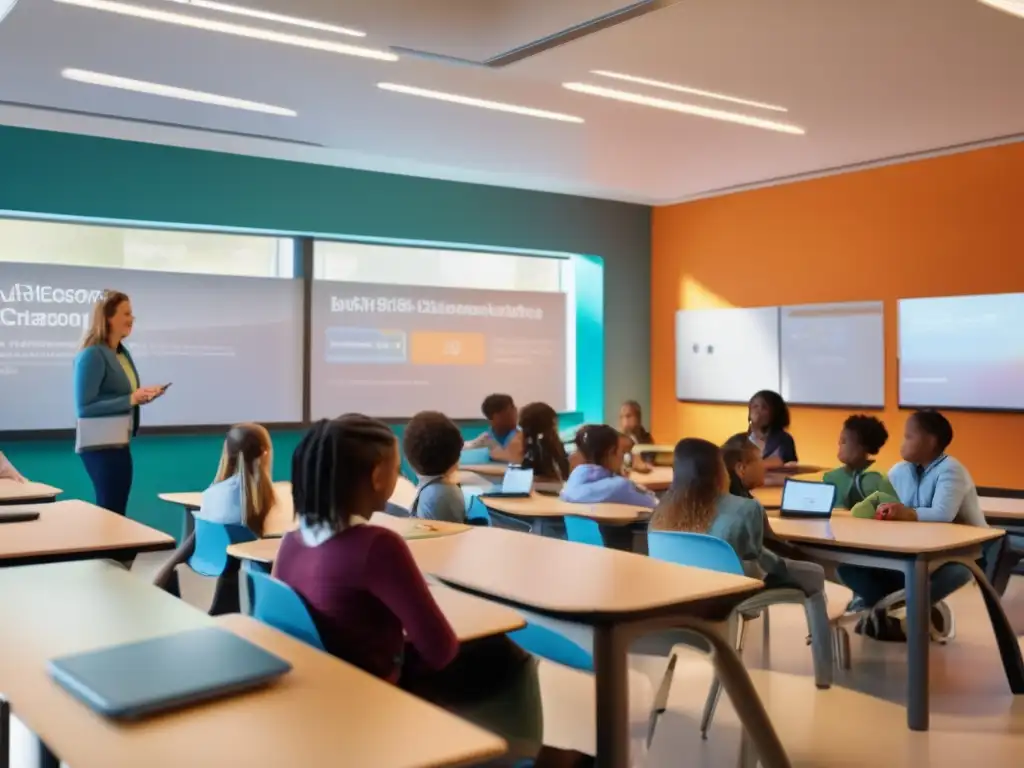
518, 484
131, 681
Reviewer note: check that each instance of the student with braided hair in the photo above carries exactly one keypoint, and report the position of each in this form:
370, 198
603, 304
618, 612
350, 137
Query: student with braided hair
371, 603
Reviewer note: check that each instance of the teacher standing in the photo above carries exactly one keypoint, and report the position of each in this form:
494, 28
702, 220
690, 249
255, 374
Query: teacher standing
107, 400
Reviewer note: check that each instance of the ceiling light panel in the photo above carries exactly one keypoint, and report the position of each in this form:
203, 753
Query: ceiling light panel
687, 89
1015, 7
470, 101
688, 109
172, 92
229, 28
280, 18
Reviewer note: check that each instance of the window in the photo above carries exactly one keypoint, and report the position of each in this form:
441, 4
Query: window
86, 245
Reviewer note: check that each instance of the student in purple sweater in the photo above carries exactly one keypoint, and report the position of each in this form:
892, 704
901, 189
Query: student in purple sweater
369, 600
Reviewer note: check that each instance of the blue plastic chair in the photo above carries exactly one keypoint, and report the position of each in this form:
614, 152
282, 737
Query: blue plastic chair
210, 556
583, 530
279, 606
699, 550
475, 456
548, 644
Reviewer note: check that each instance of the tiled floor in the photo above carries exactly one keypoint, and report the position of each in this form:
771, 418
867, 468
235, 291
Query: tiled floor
861, 721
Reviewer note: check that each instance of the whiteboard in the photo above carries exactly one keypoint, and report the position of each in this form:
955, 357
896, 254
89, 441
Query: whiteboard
834, 354
726, 355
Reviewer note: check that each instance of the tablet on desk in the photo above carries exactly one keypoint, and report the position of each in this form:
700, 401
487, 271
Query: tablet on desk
18, 516
131, 681
806, 499
518, 484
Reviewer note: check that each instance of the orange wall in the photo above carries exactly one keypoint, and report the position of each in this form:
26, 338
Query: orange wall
943, 226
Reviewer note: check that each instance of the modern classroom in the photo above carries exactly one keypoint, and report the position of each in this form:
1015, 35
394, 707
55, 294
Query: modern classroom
597, 383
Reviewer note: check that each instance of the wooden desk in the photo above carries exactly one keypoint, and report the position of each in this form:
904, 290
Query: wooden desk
618, 596
281, 518
916, 550
642, 449
493, 469
1008, 513
13, 492
76, 530
657, 480
539, 507
265, 550
331, 707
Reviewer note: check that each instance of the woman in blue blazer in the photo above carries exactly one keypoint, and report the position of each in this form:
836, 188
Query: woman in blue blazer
107, 385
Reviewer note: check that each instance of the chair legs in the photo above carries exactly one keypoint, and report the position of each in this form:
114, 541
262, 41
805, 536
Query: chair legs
661, 698
816, 609
841, 647
737, 630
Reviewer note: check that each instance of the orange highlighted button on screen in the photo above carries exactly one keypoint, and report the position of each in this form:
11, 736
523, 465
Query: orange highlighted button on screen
429, 348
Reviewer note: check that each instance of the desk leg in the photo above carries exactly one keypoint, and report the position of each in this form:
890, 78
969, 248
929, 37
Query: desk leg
918, 593
46, 758
753, 717
1006, 638
5, 734
188, 524
611, 682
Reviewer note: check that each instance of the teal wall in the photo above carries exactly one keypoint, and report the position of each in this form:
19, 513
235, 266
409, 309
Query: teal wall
61, 174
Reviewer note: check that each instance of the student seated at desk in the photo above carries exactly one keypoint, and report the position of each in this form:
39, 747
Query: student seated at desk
433, 445
537, 446
7, 470
242, 492
631, 424
861, 439
768, 415
598, 478
502, 416
744, 464
369, 599
933, 487
699, 502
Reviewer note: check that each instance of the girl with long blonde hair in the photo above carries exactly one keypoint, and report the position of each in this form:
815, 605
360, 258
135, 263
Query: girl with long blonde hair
242, 492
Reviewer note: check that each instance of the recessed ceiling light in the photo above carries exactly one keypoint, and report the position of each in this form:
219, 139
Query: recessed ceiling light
689, 109
469, 101
228, 28
280, 18
1015, 7
687, 89
171, 92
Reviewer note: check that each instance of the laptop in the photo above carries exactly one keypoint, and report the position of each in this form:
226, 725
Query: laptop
132, 681
517, 484
18, 515
804, 499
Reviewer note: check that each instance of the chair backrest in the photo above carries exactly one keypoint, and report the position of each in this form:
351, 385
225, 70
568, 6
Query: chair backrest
583, 530
475, 456
277, 604
210, 557
476, 511
695, 549
548, 644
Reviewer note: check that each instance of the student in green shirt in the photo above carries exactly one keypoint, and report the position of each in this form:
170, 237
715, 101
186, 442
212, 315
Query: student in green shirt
859, 442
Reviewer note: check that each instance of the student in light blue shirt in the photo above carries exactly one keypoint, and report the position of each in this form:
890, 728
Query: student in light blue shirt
933, 488
432, 444
503, 419
242, 492
599, 478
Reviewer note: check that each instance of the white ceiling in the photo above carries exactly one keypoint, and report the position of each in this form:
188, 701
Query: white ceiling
867, 79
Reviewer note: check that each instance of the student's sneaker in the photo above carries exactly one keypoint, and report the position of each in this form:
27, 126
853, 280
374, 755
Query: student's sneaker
880, 625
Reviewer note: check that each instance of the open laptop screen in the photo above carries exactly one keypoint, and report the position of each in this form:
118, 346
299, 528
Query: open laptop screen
517, 480
801, 497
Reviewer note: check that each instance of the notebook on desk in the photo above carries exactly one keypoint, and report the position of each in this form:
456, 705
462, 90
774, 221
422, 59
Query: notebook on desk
131, 681
517, 484
804, 499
